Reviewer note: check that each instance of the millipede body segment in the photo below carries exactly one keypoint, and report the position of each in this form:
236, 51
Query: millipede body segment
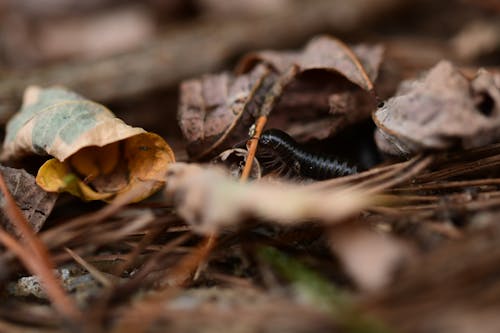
277, 144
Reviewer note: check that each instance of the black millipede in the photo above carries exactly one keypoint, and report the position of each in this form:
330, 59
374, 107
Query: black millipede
281, 151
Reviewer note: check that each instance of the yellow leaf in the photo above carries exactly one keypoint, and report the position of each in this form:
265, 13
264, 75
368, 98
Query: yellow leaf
56, 176
97, 155
94, 161
101, 173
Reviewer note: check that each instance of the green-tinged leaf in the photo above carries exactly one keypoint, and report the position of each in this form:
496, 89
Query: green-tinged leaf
97, 156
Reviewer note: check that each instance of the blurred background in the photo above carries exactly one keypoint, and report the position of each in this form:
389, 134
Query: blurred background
131, 55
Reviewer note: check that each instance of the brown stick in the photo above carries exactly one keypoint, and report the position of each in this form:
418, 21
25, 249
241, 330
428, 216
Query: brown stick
252, 149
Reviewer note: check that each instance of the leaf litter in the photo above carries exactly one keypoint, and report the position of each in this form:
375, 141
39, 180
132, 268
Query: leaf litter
407, 245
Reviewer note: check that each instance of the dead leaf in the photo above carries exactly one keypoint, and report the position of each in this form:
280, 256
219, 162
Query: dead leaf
35, 203
359, 64
331, 89
216, 111
441, 110
209, 199
97, 156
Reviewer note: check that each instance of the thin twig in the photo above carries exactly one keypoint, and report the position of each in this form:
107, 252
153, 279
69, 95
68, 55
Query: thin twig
252, 149
96, 274
448, 185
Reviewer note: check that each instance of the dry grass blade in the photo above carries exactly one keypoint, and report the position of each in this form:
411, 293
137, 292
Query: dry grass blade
462, 169
358, 177
414, 170
98, 275
448, 185
152, 263
42, 265
63, 234
130, 257
378, 179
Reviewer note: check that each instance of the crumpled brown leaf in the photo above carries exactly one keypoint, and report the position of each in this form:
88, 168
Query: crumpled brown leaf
212, 109
441, 110
35, 203
318, 91
331, 88
209, 200
359, 64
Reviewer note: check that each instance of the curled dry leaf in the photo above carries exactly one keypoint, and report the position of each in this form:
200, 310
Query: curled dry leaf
209, 199
359, 64
442, 110
234, 159
331, 89
216, 111
35, 203
97, 155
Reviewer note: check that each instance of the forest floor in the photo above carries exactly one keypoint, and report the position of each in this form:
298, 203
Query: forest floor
267, 166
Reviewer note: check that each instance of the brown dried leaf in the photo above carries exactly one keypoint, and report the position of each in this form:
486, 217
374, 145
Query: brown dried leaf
359, 65
208, 199
331, 88
442, 110
319, 104
35, 203
213, 108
